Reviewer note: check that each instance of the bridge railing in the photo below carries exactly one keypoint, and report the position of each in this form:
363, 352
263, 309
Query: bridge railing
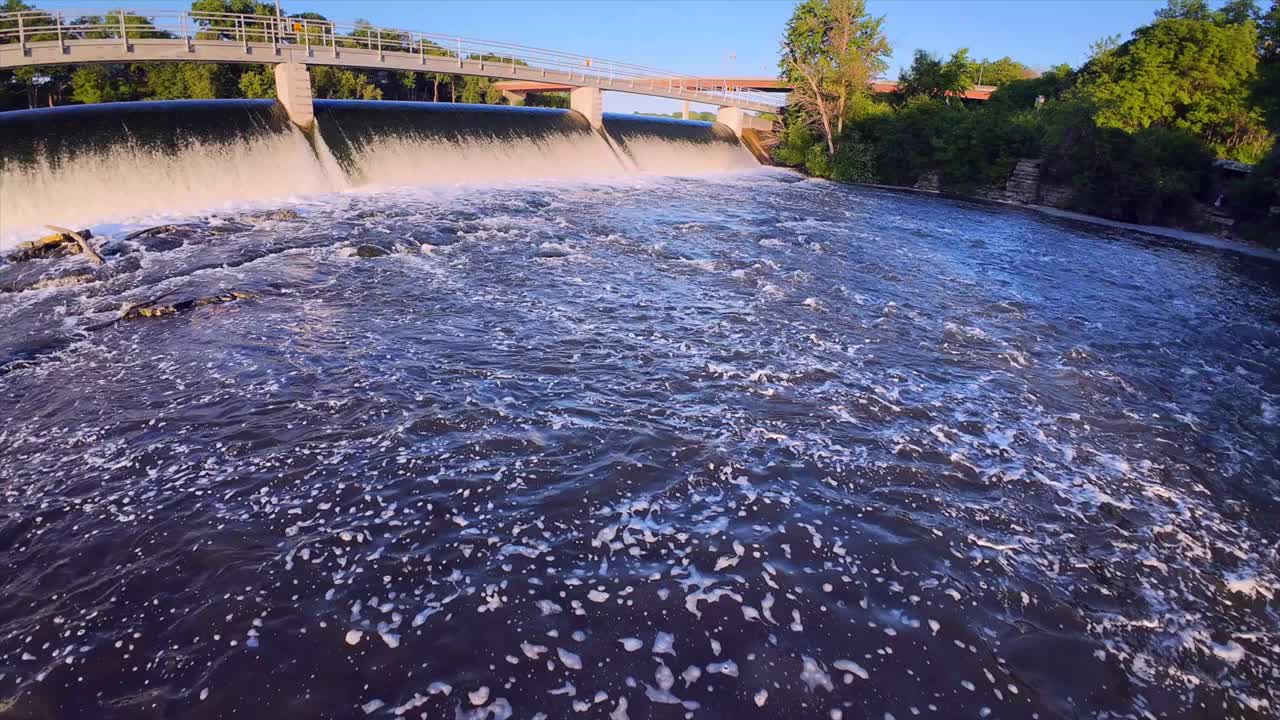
324, 36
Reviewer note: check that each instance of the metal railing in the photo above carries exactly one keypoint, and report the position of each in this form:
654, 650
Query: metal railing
323, 38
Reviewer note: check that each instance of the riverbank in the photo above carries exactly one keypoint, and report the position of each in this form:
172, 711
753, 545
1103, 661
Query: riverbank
1160, 231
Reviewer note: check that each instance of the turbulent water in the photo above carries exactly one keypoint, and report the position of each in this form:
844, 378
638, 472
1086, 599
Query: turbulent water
716, 447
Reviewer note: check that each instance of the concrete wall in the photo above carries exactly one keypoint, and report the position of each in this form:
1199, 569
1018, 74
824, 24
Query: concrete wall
293, 90
589, 102
737, 119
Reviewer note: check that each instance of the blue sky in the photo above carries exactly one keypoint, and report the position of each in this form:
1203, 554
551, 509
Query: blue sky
715, 37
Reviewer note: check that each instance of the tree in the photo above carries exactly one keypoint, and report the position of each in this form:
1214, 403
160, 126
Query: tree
436, 79
1184, 73
1185, 10
1022, 94
1266, 89
257, 83
1238, 12
174, 81
929, 76
342, 84
480, 90
1000, 72
831, 51
227, 28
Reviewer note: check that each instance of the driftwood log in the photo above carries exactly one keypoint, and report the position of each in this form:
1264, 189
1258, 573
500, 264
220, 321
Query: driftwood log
85, 247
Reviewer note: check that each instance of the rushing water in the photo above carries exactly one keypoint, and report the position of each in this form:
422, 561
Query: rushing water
730, 446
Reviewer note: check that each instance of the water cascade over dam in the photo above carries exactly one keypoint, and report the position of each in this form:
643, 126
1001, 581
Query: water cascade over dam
81, 164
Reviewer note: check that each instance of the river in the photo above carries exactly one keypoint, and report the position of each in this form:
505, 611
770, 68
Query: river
731, 445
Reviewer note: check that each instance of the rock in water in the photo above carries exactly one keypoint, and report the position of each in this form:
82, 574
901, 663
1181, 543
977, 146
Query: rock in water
554, 250
155, 310
273, 215
50, 246
366, 251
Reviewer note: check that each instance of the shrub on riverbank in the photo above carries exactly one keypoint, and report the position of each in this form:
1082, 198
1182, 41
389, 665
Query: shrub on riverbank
1252, 199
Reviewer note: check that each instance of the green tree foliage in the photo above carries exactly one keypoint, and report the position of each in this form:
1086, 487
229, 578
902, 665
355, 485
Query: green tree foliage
100, 83
1186, 10
1251, 200
257, 83
1266, 89
928, 76
548, 100
1193, 74
831, 51
1132, 135
1152, 175
334, 83
1239, 12
999, 72
174, 81
1022, 94
480, 90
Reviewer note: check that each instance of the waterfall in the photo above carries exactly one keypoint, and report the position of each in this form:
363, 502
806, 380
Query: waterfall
78, 165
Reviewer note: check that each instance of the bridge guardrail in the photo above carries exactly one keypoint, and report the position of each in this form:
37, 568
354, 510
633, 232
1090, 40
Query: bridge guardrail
123, 26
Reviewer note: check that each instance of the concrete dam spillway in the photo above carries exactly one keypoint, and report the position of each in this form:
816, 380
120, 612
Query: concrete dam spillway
82, 164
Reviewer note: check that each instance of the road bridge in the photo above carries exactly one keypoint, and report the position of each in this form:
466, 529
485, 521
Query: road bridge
517, 90
34, 38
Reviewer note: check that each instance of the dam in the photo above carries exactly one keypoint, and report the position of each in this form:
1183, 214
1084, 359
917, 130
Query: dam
80, 164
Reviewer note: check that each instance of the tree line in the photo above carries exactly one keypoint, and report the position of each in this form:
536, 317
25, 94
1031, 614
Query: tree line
33, 87
1132, 134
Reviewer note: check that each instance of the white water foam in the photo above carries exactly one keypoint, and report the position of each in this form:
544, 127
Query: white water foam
126, 184
129, 181
402, 161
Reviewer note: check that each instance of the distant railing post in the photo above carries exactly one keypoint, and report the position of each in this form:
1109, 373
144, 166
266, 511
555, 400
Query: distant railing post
422, 51
57, 18
182, 21
459, 51
124, 31
306, 36
380, 56
22, 38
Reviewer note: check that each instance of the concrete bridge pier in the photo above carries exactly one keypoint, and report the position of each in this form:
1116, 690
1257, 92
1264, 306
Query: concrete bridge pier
514, 97
685, 114
733, 118
737, 120
293, 90
589, 102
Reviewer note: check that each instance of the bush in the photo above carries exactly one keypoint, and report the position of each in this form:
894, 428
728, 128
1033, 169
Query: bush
793, 148
816, 161
854, 162
1250, 201
1152, 175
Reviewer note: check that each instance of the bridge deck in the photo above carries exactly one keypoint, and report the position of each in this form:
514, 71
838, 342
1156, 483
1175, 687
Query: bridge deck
977, 92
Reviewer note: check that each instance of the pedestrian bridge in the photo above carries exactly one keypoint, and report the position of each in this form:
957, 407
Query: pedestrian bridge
32, 38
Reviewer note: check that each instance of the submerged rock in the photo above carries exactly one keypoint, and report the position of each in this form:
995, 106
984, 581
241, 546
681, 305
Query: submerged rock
364, 251
554, 250
20, 277
273, 215
79, 278
151, 310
